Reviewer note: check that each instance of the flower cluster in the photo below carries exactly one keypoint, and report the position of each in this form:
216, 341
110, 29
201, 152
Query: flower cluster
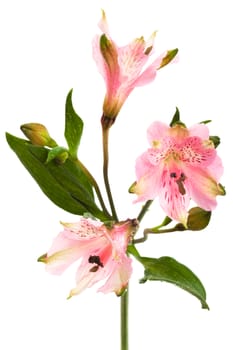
181, 165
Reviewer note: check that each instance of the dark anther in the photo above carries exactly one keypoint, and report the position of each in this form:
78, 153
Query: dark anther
182, 177
94, 268
95, 259
180, 183
173, 175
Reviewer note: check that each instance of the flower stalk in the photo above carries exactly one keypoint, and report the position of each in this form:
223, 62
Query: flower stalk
144, 210
96, 187
124, 319
105, 133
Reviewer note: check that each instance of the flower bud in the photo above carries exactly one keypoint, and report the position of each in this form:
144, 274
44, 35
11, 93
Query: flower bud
198, 219
38, 134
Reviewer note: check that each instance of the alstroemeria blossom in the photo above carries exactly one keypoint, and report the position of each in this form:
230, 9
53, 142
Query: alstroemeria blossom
123, 67
182, 164
102, 250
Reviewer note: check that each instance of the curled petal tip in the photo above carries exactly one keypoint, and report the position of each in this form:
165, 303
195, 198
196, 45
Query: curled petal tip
43, 258
69, 296
103, 14
103, 24
170, 55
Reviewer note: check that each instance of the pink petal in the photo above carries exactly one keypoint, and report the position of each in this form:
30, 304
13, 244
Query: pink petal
143, 165
200, 130
173, 202
85, 277
148, 186
131, 59
150, 72
97, 55
193, 151
119, 277
103, 24
202, 187
68, 251
75, 241
216, 168
156, 131
61, 260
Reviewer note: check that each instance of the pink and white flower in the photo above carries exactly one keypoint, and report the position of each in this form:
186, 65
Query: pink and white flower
182, 164
122, 67
102, 250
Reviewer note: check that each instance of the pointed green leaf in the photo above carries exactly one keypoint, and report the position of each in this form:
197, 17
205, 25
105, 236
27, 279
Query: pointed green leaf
206, 121
73, 127
169, 270
64, 184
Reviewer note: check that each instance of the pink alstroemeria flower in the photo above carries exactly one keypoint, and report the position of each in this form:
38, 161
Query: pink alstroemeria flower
182, 164
122, 67
103, 253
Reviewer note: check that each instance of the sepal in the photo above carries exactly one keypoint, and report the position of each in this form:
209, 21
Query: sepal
176, 119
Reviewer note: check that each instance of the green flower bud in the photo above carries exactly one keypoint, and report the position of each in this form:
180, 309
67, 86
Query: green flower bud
198, 219
38, 134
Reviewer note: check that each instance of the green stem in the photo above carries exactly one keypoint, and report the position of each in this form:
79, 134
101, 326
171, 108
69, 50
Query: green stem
144, 210
124, 320
96, 187
156, 230
105, 132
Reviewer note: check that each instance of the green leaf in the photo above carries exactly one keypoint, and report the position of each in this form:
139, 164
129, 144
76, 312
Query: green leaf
169, 270
64, 184
73, 127
206, 121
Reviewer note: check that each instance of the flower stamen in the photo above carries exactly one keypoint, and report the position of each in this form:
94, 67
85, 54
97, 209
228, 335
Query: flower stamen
180, 184
95, 259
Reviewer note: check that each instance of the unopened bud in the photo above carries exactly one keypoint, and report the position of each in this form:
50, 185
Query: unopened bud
198, 219
38, 134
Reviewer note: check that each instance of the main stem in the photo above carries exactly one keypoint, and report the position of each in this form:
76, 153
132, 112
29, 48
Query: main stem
124, 297
124, 319
105, 132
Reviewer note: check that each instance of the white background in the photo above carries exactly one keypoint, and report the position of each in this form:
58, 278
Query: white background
46, 51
